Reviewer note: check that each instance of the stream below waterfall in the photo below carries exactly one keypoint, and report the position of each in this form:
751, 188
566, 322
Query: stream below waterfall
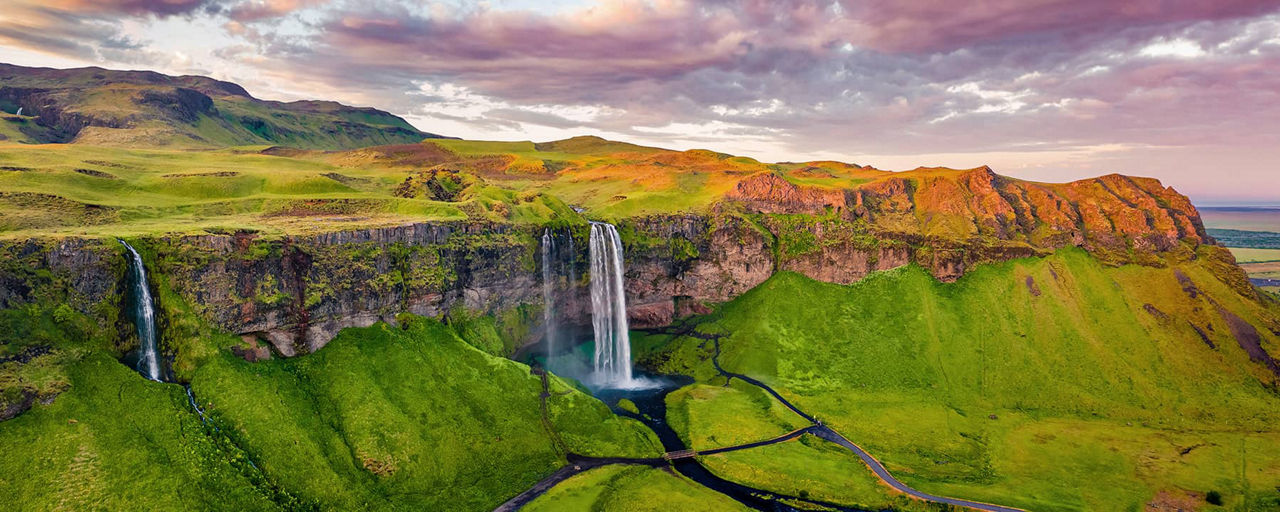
604, 365
652, 404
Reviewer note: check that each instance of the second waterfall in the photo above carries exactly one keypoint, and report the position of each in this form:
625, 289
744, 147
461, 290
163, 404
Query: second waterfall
609, 309
144, 317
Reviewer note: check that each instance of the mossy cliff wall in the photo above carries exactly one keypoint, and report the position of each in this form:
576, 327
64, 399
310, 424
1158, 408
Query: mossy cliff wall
295, 293
298, 292
66, 278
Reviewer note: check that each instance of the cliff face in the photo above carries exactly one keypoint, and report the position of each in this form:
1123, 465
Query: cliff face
1111, 213
296, 293
678, 265
971, 216
83, 274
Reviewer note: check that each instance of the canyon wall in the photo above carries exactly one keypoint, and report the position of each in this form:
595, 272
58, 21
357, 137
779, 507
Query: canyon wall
295, 293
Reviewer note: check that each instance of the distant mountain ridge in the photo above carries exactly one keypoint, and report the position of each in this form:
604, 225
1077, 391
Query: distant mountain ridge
148, 109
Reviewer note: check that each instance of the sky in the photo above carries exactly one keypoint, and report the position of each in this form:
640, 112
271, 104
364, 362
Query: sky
1187, 91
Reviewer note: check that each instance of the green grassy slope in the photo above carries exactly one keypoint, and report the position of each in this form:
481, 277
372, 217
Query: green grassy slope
146, 109
714, 416
381, 418
86, 189
415, 418
1047, 384
631, 489
115, 441
72, 189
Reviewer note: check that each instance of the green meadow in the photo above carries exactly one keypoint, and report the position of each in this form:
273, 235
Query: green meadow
86, 190
116, 441
381, 418
1255, 255
1046, 384
631, 489
53, 190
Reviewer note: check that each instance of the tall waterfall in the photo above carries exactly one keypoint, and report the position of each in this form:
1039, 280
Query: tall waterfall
609, 308
548, 293
144, 316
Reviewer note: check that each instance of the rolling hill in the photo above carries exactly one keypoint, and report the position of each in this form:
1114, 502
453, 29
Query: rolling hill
148, 109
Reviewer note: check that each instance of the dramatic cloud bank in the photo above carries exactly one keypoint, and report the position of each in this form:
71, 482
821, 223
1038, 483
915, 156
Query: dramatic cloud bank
1186, 91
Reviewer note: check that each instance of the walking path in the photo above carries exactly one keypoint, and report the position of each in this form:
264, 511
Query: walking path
829, 434
578, 464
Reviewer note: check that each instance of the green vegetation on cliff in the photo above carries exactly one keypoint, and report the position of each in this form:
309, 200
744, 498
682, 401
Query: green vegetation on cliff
1026, 383
116, 441
381, 418
1050, 384
410, 417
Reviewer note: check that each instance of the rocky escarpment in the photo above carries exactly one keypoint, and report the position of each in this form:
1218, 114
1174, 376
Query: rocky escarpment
966, 217
678, 265
85, 275
52, 291
297, 292
294, 293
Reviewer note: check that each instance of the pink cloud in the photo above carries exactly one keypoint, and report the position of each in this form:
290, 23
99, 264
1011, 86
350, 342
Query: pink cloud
851, 77
931, 25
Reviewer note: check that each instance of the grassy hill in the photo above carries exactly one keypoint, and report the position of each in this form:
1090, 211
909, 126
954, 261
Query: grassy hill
50, 190
633, 489
77, 189
147, 109
1047, 384
383, 418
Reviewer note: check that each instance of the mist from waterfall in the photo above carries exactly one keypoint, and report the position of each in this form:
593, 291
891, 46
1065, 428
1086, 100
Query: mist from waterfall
609, 309
144, 317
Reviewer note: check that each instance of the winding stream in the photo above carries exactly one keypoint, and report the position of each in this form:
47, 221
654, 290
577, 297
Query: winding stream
651, 404
652, 407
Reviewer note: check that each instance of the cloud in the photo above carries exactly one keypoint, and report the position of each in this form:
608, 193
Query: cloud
931, 26
1023, 78
258, 10
59, 32
129, 7
84, 28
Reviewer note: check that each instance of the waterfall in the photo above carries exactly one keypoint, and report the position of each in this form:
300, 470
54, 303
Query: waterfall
144, 316
572, 263
609, 308
548, 293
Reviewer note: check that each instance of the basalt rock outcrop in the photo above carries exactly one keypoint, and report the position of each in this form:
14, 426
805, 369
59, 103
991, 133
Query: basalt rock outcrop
83, 274
771, 193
